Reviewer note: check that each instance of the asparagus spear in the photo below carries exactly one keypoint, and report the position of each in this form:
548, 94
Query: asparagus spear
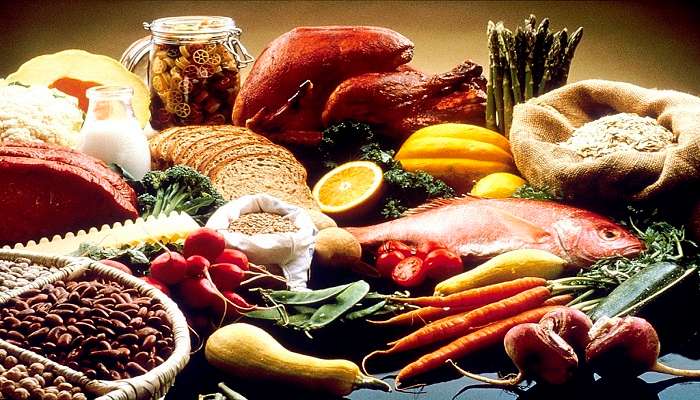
546, 48
530, 32
507, 83
551, 63
505, 48
490, 96
521, 57
574, 40
497, 80
539, 53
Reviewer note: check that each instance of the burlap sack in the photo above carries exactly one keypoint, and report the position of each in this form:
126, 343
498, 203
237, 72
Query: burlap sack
541, 123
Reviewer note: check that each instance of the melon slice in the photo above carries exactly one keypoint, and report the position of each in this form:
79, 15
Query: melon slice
75, 71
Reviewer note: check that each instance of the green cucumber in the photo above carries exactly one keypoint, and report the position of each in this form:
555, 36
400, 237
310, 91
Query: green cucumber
641, 289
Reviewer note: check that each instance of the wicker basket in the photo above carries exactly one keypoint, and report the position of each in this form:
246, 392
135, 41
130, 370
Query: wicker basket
153, 384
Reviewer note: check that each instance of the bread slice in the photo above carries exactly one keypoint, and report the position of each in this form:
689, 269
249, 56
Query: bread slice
261, 173
236, 151
169, 143
182, 143
210, 144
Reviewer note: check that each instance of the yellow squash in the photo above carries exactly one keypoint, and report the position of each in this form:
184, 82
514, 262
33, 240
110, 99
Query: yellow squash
249, 353
505, 267
459, 154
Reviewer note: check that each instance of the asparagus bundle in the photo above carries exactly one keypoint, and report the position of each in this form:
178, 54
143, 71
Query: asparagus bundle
525, 64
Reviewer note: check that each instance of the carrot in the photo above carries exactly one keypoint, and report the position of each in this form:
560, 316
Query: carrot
421, 315
487, 336
561, 300
461, 324
478, 296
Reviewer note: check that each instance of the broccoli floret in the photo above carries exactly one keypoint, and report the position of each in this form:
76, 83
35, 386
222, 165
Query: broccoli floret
179, 188
152, 180
146, 203
342, 142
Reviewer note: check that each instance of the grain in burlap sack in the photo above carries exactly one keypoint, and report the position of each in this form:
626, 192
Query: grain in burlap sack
541, 123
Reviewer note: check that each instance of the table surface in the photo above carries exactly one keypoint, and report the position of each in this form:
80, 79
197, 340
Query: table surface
678, 328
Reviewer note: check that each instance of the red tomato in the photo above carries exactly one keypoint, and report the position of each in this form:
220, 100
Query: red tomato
426, 247
391, 245
441, 264
409, 272
386, 262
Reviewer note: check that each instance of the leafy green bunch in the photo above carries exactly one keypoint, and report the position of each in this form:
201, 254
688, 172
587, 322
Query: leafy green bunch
347, 141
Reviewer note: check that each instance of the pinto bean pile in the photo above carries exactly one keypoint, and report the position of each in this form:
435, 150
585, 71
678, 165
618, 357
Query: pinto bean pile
19, 381
99, 327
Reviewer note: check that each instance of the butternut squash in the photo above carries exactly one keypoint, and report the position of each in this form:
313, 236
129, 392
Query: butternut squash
459, 154
247, 352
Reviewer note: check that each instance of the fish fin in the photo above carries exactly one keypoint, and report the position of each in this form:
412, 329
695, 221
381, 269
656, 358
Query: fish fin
437, 203
524, 228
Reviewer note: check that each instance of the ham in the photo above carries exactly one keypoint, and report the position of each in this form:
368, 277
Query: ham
46, 190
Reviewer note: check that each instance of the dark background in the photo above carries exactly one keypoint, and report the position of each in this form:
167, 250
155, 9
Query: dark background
653, 44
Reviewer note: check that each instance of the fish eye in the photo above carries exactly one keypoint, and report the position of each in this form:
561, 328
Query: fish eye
610, 234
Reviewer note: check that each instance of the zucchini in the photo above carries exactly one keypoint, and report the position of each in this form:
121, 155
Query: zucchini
641, 289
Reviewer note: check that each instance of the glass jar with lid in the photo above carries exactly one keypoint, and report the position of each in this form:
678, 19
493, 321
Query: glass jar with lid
193, 70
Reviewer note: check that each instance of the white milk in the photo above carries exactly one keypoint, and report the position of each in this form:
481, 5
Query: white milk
112, 133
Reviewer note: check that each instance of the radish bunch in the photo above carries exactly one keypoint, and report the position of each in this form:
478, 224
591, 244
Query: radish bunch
204, 277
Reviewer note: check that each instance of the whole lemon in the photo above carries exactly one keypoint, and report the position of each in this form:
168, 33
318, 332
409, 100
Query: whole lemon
498, 185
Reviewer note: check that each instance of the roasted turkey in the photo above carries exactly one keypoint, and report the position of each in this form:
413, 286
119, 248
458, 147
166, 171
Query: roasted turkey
399, 103
311, 76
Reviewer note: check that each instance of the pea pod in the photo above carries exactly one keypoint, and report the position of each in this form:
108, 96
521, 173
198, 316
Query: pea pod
365, 312
328, 313
300, 298
641, 289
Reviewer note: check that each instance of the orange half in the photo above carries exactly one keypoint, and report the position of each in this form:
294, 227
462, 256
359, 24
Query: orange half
351, 188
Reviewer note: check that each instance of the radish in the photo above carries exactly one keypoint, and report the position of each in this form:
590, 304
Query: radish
627, 347
197, 293
157, 284
204, 242
169, 267
196, 265
226, 276
117, 265
234, 305
233, 256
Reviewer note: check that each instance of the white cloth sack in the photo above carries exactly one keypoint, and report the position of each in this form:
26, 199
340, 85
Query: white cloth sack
292, 251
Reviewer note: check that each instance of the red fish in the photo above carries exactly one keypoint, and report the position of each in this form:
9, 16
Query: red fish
478, 229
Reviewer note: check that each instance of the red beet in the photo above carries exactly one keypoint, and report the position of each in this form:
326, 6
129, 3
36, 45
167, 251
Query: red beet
204, 242
571, 325
626, 347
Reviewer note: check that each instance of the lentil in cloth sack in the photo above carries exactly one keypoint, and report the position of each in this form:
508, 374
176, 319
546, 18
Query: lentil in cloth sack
541, 124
